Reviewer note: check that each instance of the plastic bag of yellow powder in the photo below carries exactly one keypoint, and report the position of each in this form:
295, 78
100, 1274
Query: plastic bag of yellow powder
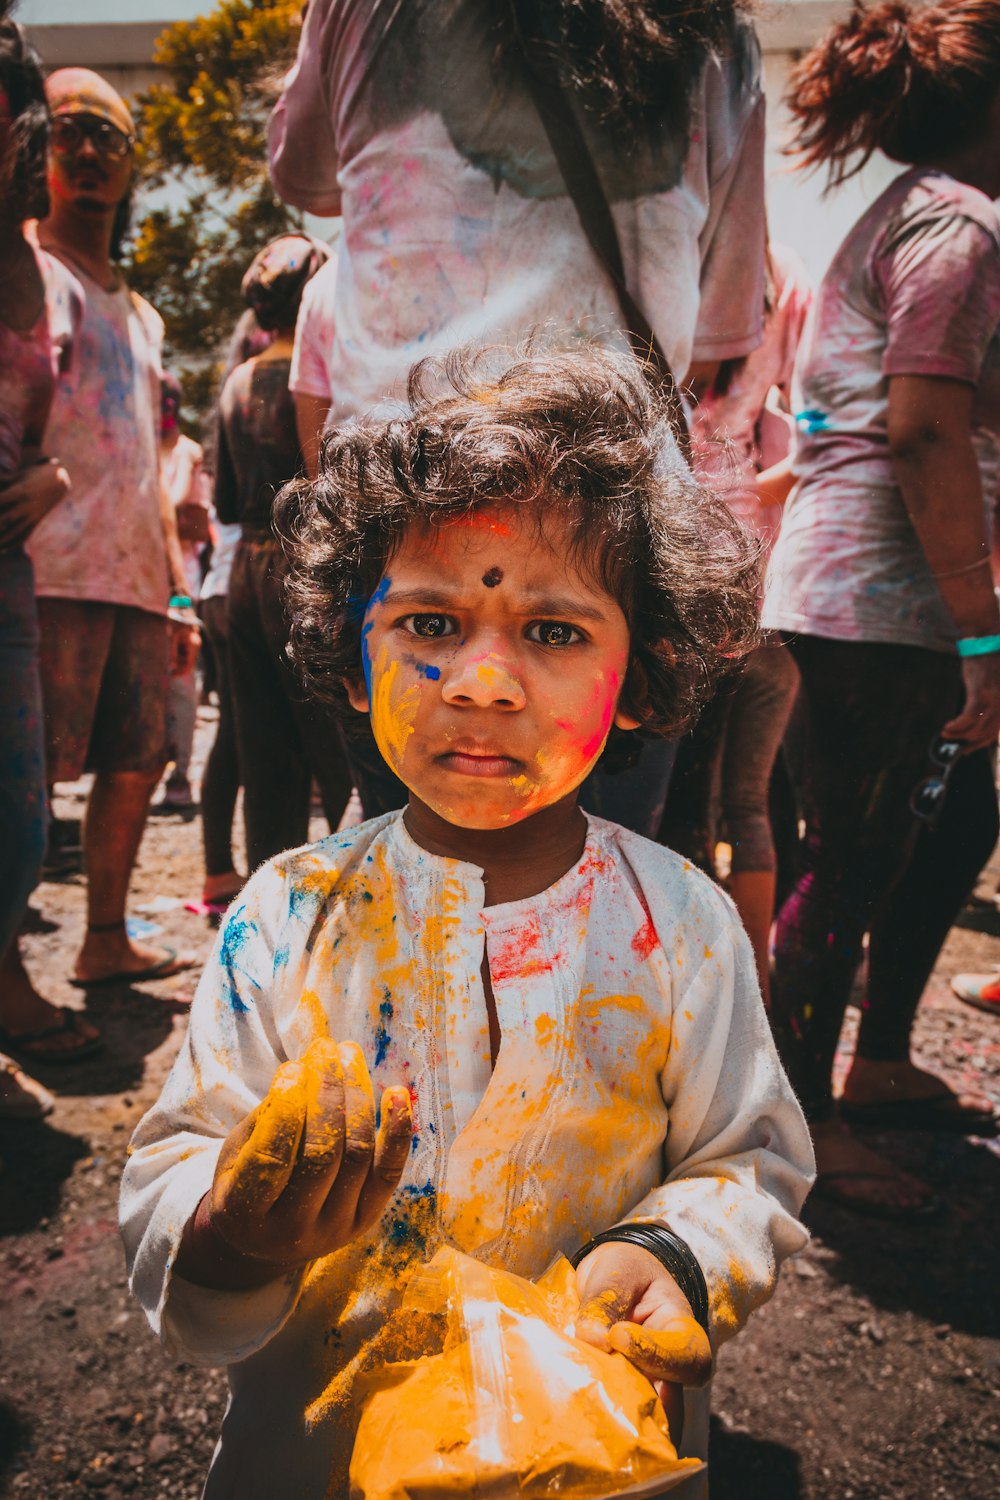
512, 1404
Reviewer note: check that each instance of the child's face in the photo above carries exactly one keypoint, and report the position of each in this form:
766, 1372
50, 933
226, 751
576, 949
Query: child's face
493, 667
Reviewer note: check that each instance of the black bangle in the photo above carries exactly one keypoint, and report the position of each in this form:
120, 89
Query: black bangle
673, 1253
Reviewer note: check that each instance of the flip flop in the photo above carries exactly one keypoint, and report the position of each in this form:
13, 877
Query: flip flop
980, 990
938, 1112
824, 1187
34, 1046
171, 963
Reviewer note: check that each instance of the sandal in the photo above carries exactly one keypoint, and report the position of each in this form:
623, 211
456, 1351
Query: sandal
943, 1111
37, 1046
980, 990
825, 1188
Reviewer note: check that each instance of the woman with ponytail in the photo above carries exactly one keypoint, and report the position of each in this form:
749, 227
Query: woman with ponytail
881, 575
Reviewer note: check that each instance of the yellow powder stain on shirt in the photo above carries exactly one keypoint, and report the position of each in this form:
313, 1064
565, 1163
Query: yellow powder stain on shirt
318, 1020
708, 951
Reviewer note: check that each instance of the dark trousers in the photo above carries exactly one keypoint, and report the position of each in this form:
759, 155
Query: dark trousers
283, 740
867, 715
221, 780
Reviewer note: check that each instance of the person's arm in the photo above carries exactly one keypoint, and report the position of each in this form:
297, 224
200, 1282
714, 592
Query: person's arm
225, 486
738, 1156
28, 498
310, 419
215, 1273
302, 147
930, 439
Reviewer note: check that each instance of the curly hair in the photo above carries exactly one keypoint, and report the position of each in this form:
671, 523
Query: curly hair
908, 80
583, 433
23, 168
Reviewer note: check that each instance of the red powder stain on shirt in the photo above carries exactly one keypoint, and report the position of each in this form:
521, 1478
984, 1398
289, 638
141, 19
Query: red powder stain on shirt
519, 954
645, 939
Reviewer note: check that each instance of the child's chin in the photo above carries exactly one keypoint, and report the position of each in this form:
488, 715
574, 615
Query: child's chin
482, 814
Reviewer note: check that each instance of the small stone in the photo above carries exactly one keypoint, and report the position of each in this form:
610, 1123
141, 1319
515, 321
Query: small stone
942, 1330
161, 1445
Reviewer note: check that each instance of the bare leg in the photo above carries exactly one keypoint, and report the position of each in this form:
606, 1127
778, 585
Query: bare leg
116, 817
753, 894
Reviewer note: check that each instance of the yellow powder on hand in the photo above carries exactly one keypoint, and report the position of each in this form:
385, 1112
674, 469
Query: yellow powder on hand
515, 1406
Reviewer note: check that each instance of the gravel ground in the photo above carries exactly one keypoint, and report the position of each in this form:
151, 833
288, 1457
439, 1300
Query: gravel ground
874, 1374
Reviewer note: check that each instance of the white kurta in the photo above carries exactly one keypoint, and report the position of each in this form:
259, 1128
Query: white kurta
636, 1077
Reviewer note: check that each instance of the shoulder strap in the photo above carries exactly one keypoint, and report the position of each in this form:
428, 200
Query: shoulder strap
585, 188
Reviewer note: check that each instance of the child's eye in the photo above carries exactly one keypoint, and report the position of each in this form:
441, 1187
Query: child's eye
553, 633
429, 627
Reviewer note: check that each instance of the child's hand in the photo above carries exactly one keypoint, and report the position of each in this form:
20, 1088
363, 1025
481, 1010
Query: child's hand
630, 1302
303, 1175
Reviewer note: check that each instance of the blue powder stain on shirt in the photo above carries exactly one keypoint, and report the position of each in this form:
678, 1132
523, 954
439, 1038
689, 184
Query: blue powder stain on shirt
812, 420
281, 957
382, 1037
400, 1231
235, 936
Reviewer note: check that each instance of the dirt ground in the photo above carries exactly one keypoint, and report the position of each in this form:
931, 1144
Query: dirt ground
874, 1374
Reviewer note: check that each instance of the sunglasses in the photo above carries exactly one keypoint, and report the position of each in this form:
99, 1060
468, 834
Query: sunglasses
67, 134
927, 799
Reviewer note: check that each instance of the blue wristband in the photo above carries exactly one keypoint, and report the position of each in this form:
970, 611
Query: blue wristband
978, 645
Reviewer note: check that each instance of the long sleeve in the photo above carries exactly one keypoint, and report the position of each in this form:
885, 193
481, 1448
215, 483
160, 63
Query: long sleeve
301, 143
738, 1154
222, 1072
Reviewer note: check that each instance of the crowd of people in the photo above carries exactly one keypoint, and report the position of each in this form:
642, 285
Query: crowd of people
806, 709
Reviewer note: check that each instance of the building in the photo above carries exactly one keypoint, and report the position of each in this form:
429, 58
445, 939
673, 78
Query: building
116, 38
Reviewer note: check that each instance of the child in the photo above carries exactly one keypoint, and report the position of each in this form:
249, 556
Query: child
561, 1019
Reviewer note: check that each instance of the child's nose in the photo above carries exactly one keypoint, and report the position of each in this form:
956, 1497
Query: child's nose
484, 682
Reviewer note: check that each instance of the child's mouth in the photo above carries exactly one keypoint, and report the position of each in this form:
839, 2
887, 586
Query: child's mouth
479, 763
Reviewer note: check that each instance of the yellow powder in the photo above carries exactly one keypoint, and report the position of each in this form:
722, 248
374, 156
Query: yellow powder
513, 1406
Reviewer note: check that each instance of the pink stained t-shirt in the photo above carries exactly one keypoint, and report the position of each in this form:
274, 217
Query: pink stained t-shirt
104, 543
725, 429
913, 290
457, 225
31, 362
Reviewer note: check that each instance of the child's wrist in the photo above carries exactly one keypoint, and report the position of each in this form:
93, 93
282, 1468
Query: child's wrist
208, 1258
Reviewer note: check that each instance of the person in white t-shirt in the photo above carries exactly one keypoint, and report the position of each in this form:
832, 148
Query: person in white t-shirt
418, 123
106, 560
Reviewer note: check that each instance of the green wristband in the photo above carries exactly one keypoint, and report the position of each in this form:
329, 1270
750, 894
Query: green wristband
978, 645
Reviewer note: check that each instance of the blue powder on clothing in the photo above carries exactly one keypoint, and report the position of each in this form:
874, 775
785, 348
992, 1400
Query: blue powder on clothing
235, 936
382, 1037
413, 1209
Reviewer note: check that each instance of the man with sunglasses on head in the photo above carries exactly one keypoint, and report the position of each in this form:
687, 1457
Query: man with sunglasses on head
107, 560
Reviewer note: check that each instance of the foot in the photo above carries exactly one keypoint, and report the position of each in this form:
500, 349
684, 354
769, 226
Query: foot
858, 1178
222, 888
108, 953
871, 1082
24, 1012
178, 793
22, 1097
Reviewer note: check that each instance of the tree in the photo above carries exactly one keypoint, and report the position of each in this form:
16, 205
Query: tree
205, 131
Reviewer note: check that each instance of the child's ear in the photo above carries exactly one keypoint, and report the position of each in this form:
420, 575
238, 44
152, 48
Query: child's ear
623, 720
357, 694
634, 695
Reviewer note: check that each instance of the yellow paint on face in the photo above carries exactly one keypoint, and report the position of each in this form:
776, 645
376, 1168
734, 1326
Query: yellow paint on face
393, 712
